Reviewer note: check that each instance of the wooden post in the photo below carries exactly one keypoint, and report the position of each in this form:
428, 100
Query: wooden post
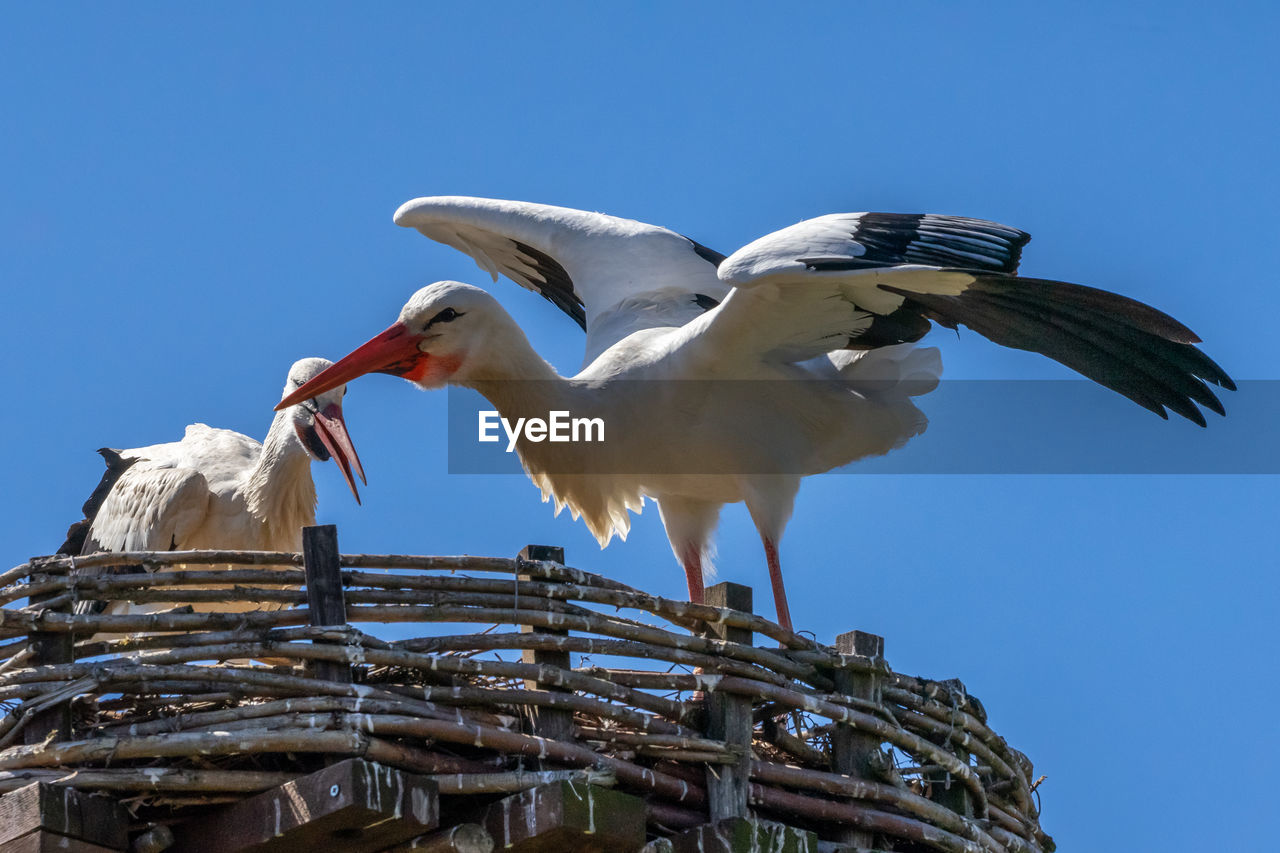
49, 647
552, 723
945, 789
853, 753
567, 816
325, 598
737, 835
729, 715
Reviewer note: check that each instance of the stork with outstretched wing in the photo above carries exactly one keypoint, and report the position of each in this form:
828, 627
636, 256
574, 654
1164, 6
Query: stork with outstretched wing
823, 315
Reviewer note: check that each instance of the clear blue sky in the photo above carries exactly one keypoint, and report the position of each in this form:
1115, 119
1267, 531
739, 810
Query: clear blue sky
194, 196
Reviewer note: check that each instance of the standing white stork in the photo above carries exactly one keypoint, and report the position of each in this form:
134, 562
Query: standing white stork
217, 488
840, 297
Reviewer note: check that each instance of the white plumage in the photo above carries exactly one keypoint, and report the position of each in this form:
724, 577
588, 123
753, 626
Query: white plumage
217, 488
820, 318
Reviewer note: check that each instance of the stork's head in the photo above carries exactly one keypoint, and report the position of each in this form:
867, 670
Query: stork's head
439, 338
318, 420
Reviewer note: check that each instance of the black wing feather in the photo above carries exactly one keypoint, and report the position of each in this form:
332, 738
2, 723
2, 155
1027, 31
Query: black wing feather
552, 280
1118, 342
708, 254
1184, 356
78, 534
935, 240
905, 325
1115, 345
555, 285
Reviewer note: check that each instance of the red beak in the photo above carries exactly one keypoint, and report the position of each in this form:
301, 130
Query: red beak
395, 351
332, 430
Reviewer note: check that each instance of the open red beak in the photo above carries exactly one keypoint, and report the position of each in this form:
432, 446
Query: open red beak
395, 351
332, 431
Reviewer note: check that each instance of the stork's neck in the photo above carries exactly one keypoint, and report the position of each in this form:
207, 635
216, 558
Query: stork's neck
279, 489
514, 377
522, 385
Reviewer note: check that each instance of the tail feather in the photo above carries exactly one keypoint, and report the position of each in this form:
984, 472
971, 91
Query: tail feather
78, 532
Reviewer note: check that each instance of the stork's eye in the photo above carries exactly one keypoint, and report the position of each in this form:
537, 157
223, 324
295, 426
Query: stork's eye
445, 316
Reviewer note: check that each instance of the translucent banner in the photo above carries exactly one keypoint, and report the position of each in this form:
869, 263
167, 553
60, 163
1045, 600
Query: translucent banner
807, 427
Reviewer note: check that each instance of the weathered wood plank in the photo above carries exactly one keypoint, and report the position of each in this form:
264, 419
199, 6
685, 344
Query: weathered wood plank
853, 752
944, 789
355, 805
563, 816
43, 841
551, 723
326, 600
739, 835
64, 812
729, 715
837, 847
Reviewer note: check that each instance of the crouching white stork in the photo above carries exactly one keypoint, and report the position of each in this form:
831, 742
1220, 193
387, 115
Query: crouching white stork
823, 314
217, 488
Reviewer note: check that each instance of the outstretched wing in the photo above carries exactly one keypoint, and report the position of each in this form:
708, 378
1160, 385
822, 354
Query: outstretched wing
865, 280
613, 276
856, 241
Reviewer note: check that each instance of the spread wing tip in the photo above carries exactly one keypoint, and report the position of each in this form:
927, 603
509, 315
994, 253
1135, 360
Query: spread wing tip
1120, 343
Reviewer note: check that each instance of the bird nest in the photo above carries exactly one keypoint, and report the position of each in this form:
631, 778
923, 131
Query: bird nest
174, 711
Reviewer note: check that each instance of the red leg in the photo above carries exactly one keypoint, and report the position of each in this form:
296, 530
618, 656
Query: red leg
779, 591
692, 561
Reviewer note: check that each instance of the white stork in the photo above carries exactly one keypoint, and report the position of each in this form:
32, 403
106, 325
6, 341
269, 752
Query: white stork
217, 488
840, 297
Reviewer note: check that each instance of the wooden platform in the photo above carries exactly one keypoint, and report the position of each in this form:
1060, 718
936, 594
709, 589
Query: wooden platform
581, 715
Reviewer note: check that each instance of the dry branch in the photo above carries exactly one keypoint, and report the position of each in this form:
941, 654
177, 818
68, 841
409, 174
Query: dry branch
156, 721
